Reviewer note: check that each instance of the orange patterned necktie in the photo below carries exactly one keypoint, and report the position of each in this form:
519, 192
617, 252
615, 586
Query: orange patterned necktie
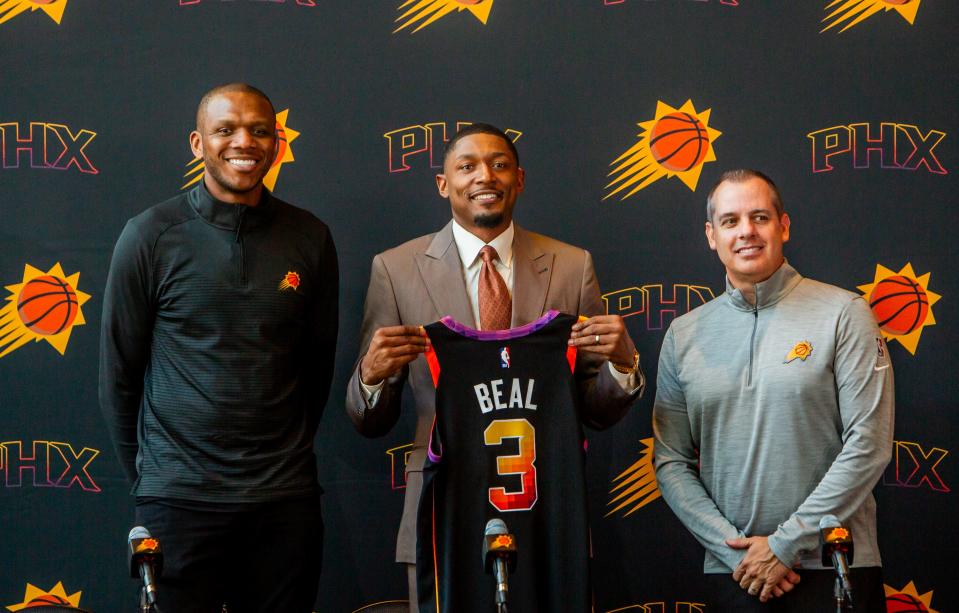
495, 304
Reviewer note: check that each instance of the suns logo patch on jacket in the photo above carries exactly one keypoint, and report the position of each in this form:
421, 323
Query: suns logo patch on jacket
801, 350
291, 280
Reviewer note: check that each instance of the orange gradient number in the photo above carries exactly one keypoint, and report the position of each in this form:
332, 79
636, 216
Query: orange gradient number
520, 464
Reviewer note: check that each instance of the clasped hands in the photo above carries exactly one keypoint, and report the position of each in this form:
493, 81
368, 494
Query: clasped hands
761, 573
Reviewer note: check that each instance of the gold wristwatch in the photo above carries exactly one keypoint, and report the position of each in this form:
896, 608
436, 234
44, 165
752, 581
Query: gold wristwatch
628, 370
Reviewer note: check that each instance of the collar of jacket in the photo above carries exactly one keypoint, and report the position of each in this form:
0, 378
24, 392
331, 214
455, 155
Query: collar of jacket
768, 292
227, 216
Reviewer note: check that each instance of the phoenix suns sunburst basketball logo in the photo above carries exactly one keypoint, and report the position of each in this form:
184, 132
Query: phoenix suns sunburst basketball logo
53, 8
291, 280
636, 486
902, 304
800, 351
284, 134
675, 143
45, 306
503, 540
147, 545
848, 13
908, 600
425, 12
55, 596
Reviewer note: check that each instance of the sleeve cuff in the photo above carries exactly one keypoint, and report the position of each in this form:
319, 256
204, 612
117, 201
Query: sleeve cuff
371, 392
783, 550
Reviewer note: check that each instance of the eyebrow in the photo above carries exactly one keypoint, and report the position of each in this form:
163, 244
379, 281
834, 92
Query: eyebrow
233, 121
750, 212
472, 156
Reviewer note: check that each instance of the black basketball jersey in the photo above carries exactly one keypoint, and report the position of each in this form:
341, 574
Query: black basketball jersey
506, 442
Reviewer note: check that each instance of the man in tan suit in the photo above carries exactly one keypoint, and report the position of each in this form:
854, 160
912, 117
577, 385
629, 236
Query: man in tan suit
439, 274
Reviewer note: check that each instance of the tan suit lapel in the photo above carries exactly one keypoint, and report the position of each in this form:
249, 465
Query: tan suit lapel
532, 269
442, 275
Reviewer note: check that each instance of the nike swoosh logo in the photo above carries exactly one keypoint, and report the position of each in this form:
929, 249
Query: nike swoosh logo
880, 367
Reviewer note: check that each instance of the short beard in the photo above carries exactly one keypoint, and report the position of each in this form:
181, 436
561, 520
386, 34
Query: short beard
488, 221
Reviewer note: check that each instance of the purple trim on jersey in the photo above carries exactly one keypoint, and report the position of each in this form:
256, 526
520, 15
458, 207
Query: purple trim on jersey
499, 335
435, 459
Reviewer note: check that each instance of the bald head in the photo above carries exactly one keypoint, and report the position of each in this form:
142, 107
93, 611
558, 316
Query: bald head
227, 88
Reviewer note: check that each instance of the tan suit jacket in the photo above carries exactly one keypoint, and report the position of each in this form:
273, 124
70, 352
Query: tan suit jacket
420, 282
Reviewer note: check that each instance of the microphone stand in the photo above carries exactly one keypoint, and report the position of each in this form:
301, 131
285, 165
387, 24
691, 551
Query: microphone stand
145, 606
839, 595
501, 604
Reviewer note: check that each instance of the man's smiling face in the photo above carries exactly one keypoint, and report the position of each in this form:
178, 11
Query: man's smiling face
482, 180
236, 137
746, 231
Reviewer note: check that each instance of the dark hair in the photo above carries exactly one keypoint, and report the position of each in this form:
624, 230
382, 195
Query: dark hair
228, 88
479, 128
741, 175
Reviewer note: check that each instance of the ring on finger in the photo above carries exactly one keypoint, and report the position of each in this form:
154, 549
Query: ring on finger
596, 338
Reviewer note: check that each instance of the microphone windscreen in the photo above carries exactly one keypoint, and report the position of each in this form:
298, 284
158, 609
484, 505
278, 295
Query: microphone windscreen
496, 526
139, 532
829, 521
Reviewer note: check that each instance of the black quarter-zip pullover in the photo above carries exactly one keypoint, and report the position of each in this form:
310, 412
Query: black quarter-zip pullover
217, 347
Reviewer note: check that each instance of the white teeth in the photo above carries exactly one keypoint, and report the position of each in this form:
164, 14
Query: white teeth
486, 196
243, 163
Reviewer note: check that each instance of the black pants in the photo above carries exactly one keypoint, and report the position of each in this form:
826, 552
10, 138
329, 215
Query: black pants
813, 594
258, 558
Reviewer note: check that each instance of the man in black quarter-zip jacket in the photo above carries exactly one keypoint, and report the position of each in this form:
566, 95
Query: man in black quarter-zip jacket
219, 333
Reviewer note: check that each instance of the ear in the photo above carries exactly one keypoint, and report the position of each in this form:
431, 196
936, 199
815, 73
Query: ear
442, 186
710, 238
784, 222
520, 180
196, 144
276, 147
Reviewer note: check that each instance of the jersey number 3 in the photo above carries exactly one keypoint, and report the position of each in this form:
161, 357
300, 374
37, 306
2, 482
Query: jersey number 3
521, 464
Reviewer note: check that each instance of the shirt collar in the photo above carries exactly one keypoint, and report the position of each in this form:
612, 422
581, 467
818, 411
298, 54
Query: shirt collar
469, 245
768, 292
227, 216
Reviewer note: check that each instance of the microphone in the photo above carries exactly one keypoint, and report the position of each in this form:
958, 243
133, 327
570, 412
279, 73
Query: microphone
146, 560
837, 550
499, 556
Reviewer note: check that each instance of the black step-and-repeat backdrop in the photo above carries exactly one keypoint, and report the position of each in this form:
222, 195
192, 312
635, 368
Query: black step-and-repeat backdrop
851, 105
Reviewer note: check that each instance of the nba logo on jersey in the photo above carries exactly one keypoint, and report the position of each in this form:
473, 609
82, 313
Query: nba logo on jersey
504, 360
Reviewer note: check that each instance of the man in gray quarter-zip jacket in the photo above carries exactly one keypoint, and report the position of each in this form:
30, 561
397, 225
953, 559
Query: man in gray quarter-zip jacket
774, 408
217, 347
